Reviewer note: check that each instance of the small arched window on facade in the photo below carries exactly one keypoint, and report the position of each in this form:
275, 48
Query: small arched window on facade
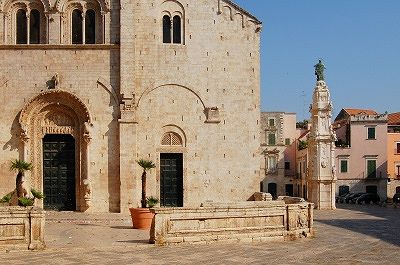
22, 34
90, 27
34, 27
177, 29
172, 30
171, 139
77, 35
167, 29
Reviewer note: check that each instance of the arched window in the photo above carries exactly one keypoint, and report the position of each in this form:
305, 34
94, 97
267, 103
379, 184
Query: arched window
34, 27
177, 29
171, 138
21, 27
90, 27
77, 36
166, 29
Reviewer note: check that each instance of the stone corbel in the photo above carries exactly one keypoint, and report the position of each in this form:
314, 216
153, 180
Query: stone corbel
212, 115
128, 109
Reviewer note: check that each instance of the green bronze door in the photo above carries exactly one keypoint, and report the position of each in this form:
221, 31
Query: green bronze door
171, 180
59, 172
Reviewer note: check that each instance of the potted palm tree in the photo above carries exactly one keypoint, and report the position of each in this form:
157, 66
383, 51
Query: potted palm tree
20, 192
142, 217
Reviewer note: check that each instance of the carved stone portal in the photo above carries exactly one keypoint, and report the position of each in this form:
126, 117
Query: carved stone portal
57, 112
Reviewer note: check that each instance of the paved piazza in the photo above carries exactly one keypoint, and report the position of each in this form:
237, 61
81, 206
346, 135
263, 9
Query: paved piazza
350, 235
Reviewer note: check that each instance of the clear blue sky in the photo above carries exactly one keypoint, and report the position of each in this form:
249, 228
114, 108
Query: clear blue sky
359, 41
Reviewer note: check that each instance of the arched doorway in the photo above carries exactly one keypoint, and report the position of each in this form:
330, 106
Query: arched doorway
56, 133
59, 172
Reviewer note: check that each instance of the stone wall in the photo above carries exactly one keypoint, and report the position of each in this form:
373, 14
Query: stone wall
258, 221
21, 228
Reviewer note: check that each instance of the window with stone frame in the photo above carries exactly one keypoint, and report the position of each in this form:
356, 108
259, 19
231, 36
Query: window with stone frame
397, 148
26, 22
287, 141
84, 21
287, 165
171, 139
344, 163
172, 29
371, 133
271, 138
272, 163
173, 22
371, 168
271, 122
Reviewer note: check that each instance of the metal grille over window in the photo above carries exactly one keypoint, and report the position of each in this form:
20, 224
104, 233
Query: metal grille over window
171, 138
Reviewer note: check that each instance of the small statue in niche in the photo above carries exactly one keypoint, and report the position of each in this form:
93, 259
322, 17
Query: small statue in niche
319, 71
54, 82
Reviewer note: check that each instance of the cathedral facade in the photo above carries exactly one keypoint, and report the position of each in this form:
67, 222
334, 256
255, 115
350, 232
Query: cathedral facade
88, 87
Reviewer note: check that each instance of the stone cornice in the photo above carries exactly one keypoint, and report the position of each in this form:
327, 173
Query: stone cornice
60, 47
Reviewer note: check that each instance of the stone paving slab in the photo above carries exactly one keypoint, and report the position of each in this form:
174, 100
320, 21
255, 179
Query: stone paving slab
351, 235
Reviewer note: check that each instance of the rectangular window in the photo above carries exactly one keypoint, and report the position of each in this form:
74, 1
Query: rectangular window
287, 141
397, 148
271, 164
371, 168
371, 133
397, 169
343, 166
271, 139
287, 165
271, 122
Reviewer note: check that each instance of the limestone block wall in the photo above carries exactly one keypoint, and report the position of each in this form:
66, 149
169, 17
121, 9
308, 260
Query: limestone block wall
217, 65
90, 73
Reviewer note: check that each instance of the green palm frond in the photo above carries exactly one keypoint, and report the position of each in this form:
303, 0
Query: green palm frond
37, 194
20, 165
146, 164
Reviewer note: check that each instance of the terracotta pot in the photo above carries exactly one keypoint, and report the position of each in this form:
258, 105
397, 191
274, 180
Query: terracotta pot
141, 218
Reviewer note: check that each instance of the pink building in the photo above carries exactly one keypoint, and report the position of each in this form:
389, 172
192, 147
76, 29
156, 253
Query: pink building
393, 154
278, 149
361, 152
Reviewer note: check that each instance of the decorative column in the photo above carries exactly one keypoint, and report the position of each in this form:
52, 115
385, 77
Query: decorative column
321, 178
28, 23
86, 180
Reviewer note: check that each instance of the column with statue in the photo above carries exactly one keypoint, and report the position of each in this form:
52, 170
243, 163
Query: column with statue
321, 179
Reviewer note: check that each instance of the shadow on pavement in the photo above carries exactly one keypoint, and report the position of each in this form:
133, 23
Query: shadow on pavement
139, 241
383, 224
121, 227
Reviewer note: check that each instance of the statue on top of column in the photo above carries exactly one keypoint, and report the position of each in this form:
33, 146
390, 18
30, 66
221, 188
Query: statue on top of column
319, 71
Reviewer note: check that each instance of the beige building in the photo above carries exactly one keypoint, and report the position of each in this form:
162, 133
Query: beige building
89, 87
278, 159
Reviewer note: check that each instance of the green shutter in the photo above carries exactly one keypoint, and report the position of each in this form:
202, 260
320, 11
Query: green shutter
371, 133
343, 166
271, 139
371, 168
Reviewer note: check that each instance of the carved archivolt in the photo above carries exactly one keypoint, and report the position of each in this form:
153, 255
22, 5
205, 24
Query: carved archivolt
54, 97
61, 5
57, 112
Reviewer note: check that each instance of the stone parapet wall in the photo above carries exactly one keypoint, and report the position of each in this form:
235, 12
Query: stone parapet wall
258, 221
21, 228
